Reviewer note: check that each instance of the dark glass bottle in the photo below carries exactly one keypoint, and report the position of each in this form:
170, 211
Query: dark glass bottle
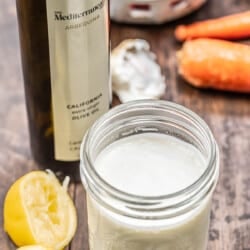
43, 27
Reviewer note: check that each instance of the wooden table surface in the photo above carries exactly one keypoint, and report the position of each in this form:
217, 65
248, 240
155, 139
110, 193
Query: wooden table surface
227, 114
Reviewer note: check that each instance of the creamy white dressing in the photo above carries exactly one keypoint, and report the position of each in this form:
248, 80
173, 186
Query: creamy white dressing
150, 164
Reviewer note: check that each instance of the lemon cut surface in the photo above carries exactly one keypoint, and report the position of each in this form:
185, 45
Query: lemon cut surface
38, 210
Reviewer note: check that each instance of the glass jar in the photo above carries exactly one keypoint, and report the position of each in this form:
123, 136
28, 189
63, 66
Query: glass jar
121, 221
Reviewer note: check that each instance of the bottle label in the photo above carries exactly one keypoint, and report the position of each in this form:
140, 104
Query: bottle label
79, 65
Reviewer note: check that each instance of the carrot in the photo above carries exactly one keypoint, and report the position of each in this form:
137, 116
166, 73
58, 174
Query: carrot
229, 27
217, 64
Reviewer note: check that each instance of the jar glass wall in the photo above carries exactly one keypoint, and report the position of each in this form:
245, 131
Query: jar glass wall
120, 220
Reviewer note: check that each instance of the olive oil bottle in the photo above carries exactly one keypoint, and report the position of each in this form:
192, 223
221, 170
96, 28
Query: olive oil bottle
65, 58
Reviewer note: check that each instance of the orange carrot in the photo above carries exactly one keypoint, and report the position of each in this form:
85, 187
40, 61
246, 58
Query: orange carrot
229, 27
218, 64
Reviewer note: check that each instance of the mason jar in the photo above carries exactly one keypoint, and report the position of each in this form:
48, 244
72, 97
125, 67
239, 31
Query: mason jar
120, 220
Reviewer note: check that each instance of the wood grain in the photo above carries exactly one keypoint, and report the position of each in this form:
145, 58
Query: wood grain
227, 114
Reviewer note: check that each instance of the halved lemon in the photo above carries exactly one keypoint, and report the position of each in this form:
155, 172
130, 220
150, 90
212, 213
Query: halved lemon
34, 247
38, 210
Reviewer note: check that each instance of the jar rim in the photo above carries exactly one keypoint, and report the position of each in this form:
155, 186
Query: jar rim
195, 191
